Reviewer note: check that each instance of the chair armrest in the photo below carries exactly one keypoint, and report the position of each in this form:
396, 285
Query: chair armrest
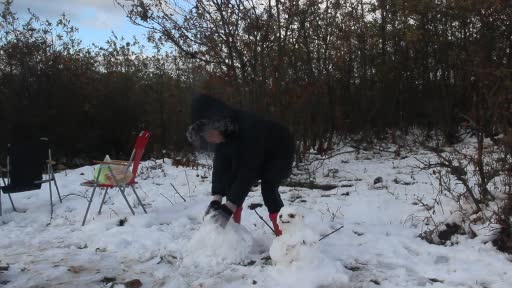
111, 163
120, 161
51, 162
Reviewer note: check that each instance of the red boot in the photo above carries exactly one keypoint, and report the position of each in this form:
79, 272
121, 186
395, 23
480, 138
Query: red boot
273, 218
237, 215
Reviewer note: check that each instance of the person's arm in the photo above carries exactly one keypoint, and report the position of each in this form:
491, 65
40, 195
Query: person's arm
221, 171
244, 178
250, 157
222, 165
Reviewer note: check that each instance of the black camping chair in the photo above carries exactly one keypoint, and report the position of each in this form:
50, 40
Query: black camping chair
27, 163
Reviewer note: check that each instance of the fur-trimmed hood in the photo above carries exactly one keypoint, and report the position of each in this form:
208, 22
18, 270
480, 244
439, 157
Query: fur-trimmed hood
209, 113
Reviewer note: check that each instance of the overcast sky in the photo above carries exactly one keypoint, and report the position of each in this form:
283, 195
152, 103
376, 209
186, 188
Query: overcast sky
95, 18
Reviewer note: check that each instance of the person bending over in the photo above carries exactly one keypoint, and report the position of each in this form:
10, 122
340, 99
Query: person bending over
248, 148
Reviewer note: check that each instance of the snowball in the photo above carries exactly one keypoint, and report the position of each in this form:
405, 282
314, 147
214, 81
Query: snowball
213, 244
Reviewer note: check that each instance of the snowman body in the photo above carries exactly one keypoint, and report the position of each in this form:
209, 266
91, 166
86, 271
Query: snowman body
297, 243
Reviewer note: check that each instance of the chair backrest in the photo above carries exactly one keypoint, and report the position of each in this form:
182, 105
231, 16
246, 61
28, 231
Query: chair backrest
26, 163
138, 150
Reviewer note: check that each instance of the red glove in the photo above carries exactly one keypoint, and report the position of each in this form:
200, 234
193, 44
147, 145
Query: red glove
273, 218
237, 216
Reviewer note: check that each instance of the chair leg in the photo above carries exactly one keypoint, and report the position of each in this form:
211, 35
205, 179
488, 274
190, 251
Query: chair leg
57, 187
51, 199
0, 202
140, 202
89, 205
12, 203
121, 188
103, 200
126, 199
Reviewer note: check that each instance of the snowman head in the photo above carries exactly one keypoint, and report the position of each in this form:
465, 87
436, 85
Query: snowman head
290, 218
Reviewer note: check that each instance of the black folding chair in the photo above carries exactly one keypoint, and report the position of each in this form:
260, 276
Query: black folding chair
27, 163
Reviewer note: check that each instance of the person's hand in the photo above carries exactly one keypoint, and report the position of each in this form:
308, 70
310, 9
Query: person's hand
214, 205
219, 214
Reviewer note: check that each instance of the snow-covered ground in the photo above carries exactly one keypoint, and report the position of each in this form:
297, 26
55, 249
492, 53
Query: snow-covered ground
171, 247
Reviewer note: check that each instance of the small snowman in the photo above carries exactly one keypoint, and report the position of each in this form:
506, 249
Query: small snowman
298, 243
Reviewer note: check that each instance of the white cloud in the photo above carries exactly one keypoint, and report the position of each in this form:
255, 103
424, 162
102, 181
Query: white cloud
96, 14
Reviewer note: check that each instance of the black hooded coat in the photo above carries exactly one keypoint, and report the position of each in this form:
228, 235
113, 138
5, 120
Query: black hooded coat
254, 149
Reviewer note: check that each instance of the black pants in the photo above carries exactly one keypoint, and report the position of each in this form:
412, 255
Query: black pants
273, 174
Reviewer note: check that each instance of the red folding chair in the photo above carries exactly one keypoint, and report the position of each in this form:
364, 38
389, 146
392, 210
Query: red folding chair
134, 162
